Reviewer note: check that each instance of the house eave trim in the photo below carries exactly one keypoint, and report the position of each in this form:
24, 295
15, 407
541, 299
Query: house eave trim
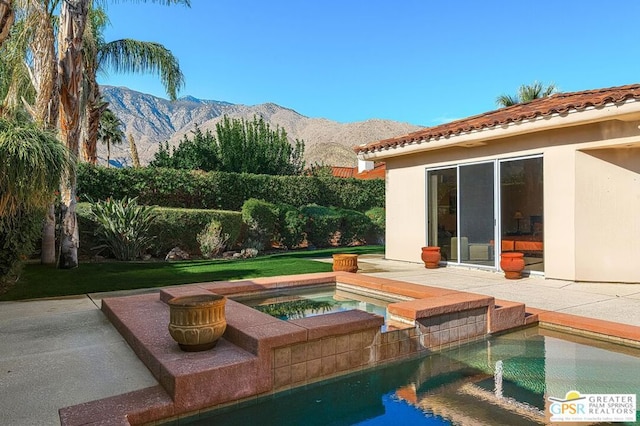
626, 111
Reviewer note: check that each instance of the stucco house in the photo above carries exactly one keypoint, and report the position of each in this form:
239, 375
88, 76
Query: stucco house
557, 178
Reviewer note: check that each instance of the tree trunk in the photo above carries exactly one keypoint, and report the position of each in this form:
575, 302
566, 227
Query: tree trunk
94, 109
73, 17
108, 153
48, 254
46, 109
45, 73
134, 151
7, 16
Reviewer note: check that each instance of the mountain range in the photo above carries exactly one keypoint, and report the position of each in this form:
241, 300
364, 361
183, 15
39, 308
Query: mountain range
152, 120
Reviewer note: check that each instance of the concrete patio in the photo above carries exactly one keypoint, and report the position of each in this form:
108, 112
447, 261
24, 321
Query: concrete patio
62, 352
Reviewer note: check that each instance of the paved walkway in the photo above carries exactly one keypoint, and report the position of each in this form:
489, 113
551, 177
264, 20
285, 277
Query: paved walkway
605, 301
60, 352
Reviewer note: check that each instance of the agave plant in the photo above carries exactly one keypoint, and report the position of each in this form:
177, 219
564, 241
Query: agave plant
123, 227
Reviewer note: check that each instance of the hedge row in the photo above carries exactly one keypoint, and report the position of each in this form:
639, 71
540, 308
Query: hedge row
258, 225
225, 191
172, 227
318, 226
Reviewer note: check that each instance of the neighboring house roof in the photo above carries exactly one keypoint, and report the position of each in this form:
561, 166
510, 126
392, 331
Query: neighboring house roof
378, 172
343, 172
557, 104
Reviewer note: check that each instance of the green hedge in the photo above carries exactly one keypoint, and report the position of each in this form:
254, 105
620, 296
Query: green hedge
260, 218
172, 227
18, 236
225, 191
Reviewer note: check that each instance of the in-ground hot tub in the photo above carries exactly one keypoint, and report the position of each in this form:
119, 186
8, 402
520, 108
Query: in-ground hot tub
259, 353
308, 301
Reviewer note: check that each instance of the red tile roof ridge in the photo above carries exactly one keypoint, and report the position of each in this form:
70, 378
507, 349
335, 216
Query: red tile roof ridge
558, 103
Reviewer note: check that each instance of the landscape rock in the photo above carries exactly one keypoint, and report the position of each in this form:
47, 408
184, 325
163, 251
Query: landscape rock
177, 253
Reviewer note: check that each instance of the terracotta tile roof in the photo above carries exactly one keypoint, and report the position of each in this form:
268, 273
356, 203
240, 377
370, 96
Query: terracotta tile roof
343, 172
378, 172
559, 103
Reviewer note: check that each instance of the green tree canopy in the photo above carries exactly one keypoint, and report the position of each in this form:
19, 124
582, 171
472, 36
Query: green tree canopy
239, 146
110, 131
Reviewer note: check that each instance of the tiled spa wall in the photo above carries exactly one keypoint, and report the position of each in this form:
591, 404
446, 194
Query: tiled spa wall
307, 362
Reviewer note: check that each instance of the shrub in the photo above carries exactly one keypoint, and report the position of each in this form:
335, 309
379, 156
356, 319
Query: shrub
324, 223
354, 227
172, 227
260, 217
212, 240
290, 229
377, 215
18, 235
123, 227
180, 227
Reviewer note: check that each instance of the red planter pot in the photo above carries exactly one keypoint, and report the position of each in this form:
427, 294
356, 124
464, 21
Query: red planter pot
431, 257
512, 264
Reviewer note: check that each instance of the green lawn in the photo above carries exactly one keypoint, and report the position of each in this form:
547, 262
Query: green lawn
38, 281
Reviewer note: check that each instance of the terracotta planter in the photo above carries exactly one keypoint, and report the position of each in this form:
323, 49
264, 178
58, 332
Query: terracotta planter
512, 264
197, 322
345, 262
431, 257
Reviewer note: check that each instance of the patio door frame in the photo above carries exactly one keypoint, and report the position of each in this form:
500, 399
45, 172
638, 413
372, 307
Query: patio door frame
431, 231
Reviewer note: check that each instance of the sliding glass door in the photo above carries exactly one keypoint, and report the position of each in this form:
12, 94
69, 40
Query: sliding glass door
521, 210
475, 211
442, 193
477, 214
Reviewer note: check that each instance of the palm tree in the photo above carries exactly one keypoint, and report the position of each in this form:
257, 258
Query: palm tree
70, 67
73, 17
527, 93
32, 161
50, 74
110, 131
30, 83
125, 55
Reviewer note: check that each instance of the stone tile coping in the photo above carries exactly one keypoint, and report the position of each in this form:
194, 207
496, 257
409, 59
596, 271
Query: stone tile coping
244, 353
605, 330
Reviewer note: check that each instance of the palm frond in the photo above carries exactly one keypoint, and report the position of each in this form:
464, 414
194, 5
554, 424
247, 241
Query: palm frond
507, 100
133, 56
31, 163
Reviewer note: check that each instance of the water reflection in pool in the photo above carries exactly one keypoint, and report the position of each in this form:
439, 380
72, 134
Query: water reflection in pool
294, 303
505, 380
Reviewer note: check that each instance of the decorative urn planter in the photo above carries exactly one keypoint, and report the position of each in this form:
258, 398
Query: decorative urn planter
431, 257
345, 262
512, 264
197, 322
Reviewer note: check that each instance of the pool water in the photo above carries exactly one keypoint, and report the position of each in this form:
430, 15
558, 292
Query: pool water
298, 303
504, 380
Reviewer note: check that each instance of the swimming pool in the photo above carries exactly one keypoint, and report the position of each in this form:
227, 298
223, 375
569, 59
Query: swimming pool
504, 380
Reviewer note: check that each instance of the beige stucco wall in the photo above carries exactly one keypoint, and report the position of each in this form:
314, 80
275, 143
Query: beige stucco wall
591, 197
607, 223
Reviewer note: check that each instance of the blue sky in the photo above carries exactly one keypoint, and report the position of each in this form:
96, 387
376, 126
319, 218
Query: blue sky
423, 62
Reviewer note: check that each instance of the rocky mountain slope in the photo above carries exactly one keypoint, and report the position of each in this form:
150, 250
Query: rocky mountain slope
152, 120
